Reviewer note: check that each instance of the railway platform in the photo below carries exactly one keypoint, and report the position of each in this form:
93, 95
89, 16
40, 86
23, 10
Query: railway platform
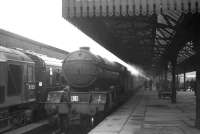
146, 114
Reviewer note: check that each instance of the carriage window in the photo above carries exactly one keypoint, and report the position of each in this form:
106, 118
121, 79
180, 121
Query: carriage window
2, 94
14, 79
30, 73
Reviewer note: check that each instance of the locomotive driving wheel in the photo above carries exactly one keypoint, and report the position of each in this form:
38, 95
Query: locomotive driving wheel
87, 122
98, 117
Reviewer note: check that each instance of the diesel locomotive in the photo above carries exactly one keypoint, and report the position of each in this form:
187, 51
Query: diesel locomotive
25, 80
96, 85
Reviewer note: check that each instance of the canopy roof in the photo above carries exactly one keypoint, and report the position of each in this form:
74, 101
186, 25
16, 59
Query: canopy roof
91, 8
7, 54
12, 40
142, 32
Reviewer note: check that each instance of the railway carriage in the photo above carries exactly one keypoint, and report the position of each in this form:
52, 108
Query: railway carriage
47, 76
17, 88
25, 80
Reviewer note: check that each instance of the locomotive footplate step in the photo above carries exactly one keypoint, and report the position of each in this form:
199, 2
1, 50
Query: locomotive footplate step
144, 113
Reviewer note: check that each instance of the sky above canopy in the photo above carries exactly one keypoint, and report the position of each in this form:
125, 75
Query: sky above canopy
42, 20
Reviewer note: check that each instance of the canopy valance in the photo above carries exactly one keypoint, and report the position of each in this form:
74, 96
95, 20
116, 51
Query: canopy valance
103, 8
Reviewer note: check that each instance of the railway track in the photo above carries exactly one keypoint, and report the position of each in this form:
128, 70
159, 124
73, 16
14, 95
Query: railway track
75, 129
47, 129
42, 127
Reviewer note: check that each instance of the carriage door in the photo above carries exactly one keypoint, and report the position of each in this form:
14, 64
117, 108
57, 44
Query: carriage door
2, 81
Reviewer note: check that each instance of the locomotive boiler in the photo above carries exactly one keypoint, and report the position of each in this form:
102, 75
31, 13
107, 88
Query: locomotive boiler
95, 83
85, 71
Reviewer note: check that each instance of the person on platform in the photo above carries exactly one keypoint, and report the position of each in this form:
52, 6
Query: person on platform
64, 110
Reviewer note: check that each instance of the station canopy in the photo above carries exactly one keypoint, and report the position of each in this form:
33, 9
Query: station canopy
15, 41
140, 32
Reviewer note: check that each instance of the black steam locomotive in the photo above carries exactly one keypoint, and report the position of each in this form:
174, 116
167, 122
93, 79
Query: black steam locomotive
25, 80
96, 85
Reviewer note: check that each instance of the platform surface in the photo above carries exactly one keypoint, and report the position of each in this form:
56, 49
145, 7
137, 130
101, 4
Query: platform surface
146, 114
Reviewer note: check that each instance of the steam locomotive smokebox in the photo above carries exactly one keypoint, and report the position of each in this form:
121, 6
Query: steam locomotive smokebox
80, 68
83, 69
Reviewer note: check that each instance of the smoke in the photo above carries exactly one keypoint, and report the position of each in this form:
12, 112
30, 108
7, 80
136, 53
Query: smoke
137, 71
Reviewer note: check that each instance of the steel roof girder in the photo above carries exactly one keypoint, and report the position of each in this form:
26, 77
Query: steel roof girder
164, 26
163, 33
158, 37
170, 20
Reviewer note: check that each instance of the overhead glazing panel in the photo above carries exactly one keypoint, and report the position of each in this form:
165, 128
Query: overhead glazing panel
186, 52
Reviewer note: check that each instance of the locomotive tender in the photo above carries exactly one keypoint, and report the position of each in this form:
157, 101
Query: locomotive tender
25, 80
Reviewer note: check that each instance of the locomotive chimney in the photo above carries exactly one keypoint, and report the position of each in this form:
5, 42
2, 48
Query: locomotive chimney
85, 48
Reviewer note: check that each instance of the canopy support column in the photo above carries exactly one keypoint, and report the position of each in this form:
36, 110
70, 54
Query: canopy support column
197, 122
184, 80
173, 86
